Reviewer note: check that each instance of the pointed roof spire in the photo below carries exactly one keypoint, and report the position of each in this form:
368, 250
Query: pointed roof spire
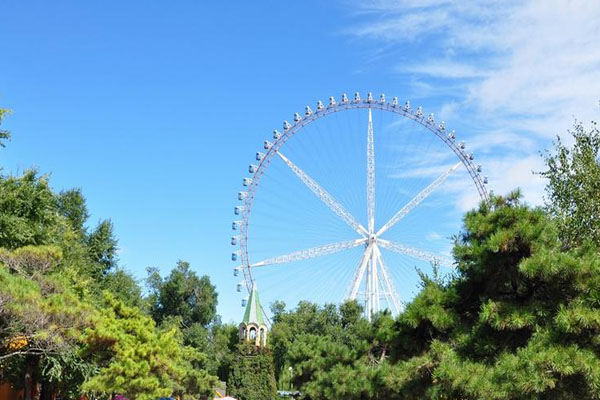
254, 312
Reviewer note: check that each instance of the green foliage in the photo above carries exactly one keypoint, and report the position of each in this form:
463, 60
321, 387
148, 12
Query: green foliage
523, 312
185, 301
332, 351
4, 134
182, 294
71, 205
102, 247
70, 318
40, 321
308, 318
252, 374
28, 214
123, 286
52, 274
519, 318
138, 360
34, 306
574, 186
64, 373
221, 347
31, 214
31, 261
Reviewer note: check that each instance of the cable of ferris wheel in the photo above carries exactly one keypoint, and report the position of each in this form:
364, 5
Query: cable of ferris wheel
389, 198
327, 198
418, 199
351, 198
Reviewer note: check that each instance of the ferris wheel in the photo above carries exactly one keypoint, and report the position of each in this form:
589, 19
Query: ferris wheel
350, 201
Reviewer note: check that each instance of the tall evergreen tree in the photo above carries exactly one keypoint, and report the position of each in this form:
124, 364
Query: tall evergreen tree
102, 247
71, 205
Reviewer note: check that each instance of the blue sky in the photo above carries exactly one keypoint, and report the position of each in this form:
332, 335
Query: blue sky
156, 109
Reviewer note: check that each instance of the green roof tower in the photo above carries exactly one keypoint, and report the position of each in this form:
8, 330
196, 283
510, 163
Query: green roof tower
253, 327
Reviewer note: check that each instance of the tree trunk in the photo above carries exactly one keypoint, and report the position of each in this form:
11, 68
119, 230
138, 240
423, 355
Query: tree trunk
32, 388
28, 380
37, 392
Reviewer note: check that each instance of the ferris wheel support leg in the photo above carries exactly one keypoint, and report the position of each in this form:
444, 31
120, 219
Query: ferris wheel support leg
372, 294
368, 291
361, 271
375, 304
386, 294
389, 284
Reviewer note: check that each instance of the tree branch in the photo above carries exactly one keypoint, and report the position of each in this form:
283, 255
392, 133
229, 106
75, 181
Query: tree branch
26, 353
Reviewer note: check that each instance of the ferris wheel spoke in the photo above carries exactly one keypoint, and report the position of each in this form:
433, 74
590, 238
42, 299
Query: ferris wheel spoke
418, 199
370, 174
325, 197
415, 253
312, 252
359, 273
391, 290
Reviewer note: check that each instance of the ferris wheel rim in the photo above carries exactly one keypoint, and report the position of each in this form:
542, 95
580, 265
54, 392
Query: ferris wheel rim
290, 130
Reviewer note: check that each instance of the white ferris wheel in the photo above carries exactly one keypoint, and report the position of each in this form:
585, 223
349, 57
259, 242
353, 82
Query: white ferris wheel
349, 200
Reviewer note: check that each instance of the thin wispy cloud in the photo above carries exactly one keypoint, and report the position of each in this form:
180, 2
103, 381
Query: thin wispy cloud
519, 71
444, 69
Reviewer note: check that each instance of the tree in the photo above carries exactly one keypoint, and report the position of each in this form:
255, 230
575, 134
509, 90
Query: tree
252, 374
331, 352
519, 318
40, 321
28, 213
138, 360
223, 340
189, 303
121, 284
52, 277
517, 321
102, 247
71, 205
37, 315
573, 188
182, 294
4, 134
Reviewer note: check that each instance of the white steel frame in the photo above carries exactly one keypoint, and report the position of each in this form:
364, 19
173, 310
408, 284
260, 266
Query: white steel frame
371, 272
